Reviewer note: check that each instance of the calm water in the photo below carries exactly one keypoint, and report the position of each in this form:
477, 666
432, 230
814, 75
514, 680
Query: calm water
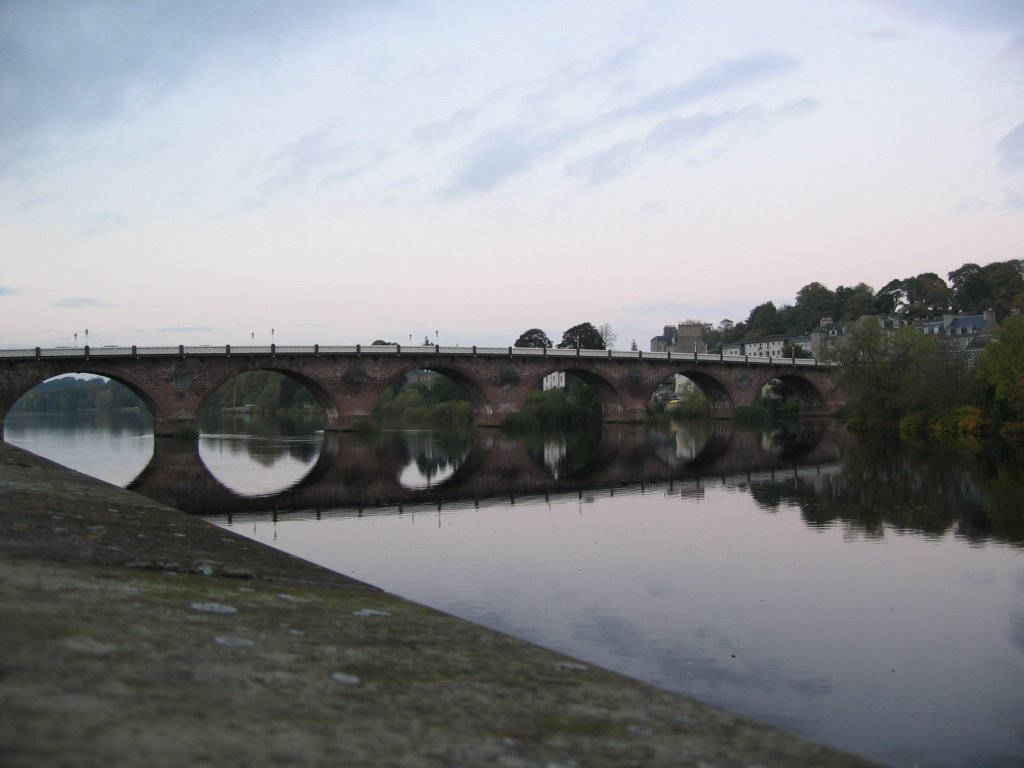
871, 600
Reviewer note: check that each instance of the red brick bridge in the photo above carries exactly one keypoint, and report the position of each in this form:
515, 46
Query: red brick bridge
176, 382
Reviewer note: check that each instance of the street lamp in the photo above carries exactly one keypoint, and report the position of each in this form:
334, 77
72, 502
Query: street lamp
76, 339
87, 337
271, 336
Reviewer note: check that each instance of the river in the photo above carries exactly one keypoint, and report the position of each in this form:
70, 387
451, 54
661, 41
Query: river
870, 599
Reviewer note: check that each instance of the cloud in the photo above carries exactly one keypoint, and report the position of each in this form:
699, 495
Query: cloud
1010, 150
997, 14
103, 224
7, 291
677, 132
1013, 201
80, 303
445, 130
314, 160
501, 154
69, 66
884, 33
720, 78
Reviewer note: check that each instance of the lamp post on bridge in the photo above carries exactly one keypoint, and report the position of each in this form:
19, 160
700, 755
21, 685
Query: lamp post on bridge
76, 339
87, 337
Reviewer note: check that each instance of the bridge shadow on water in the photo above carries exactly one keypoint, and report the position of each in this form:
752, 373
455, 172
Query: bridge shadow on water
358, 471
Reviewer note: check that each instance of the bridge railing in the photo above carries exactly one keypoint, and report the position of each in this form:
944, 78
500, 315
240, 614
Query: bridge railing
157, 351
17, 353
398, 349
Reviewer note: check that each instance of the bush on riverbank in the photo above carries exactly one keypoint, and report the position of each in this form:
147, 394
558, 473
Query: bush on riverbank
438, 403
573, 406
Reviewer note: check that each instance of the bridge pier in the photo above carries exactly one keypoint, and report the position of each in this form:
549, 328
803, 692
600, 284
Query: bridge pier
180, 428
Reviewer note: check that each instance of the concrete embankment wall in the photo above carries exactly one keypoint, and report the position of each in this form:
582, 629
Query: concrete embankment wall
133, 634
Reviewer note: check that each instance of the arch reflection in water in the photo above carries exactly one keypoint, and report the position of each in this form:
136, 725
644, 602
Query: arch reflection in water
256, 456
360, 471
433, 458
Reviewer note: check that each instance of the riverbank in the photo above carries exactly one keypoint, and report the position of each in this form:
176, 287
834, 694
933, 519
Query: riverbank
134, 634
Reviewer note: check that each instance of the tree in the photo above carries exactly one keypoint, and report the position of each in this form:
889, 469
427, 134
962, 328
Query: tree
853, 303
1001, 368
795, 350
813, 302
534, 337
608, 336
887, 376
763, 321
583, 336
969, 287
921, 296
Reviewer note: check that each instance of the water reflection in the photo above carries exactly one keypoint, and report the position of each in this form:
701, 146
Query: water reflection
113, 445
258, 456
432, 458
815, 467
759, 572
864, 596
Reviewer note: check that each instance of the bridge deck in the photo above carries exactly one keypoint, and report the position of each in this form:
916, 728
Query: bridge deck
393, 350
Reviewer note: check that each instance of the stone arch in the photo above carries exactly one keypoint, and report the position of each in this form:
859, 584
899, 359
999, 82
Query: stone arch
462, 377
312, 383
807, 393
608, 392
17, 386
720, 402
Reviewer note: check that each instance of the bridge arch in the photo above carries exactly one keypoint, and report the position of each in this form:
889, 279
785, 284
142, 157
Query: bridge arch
459, 375
605, 388
807, 394
17, 386
720, 401
314, 385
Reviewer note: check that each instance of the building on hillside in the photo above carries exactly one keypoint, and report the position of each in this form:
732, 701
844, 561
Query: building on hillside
960, 325
767, 346
683, 337
826, 335
971, 332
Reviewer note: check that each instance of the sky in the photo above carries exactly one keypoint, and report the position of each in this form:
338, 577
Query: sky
201, 172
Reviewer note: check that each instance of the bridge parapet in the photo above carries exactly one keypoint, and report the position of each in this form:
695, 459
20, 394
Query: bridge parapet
398, 350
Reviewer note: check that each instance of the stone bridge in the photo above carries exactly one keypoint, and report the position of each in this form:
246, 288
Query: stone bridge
176, 382
354, 471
